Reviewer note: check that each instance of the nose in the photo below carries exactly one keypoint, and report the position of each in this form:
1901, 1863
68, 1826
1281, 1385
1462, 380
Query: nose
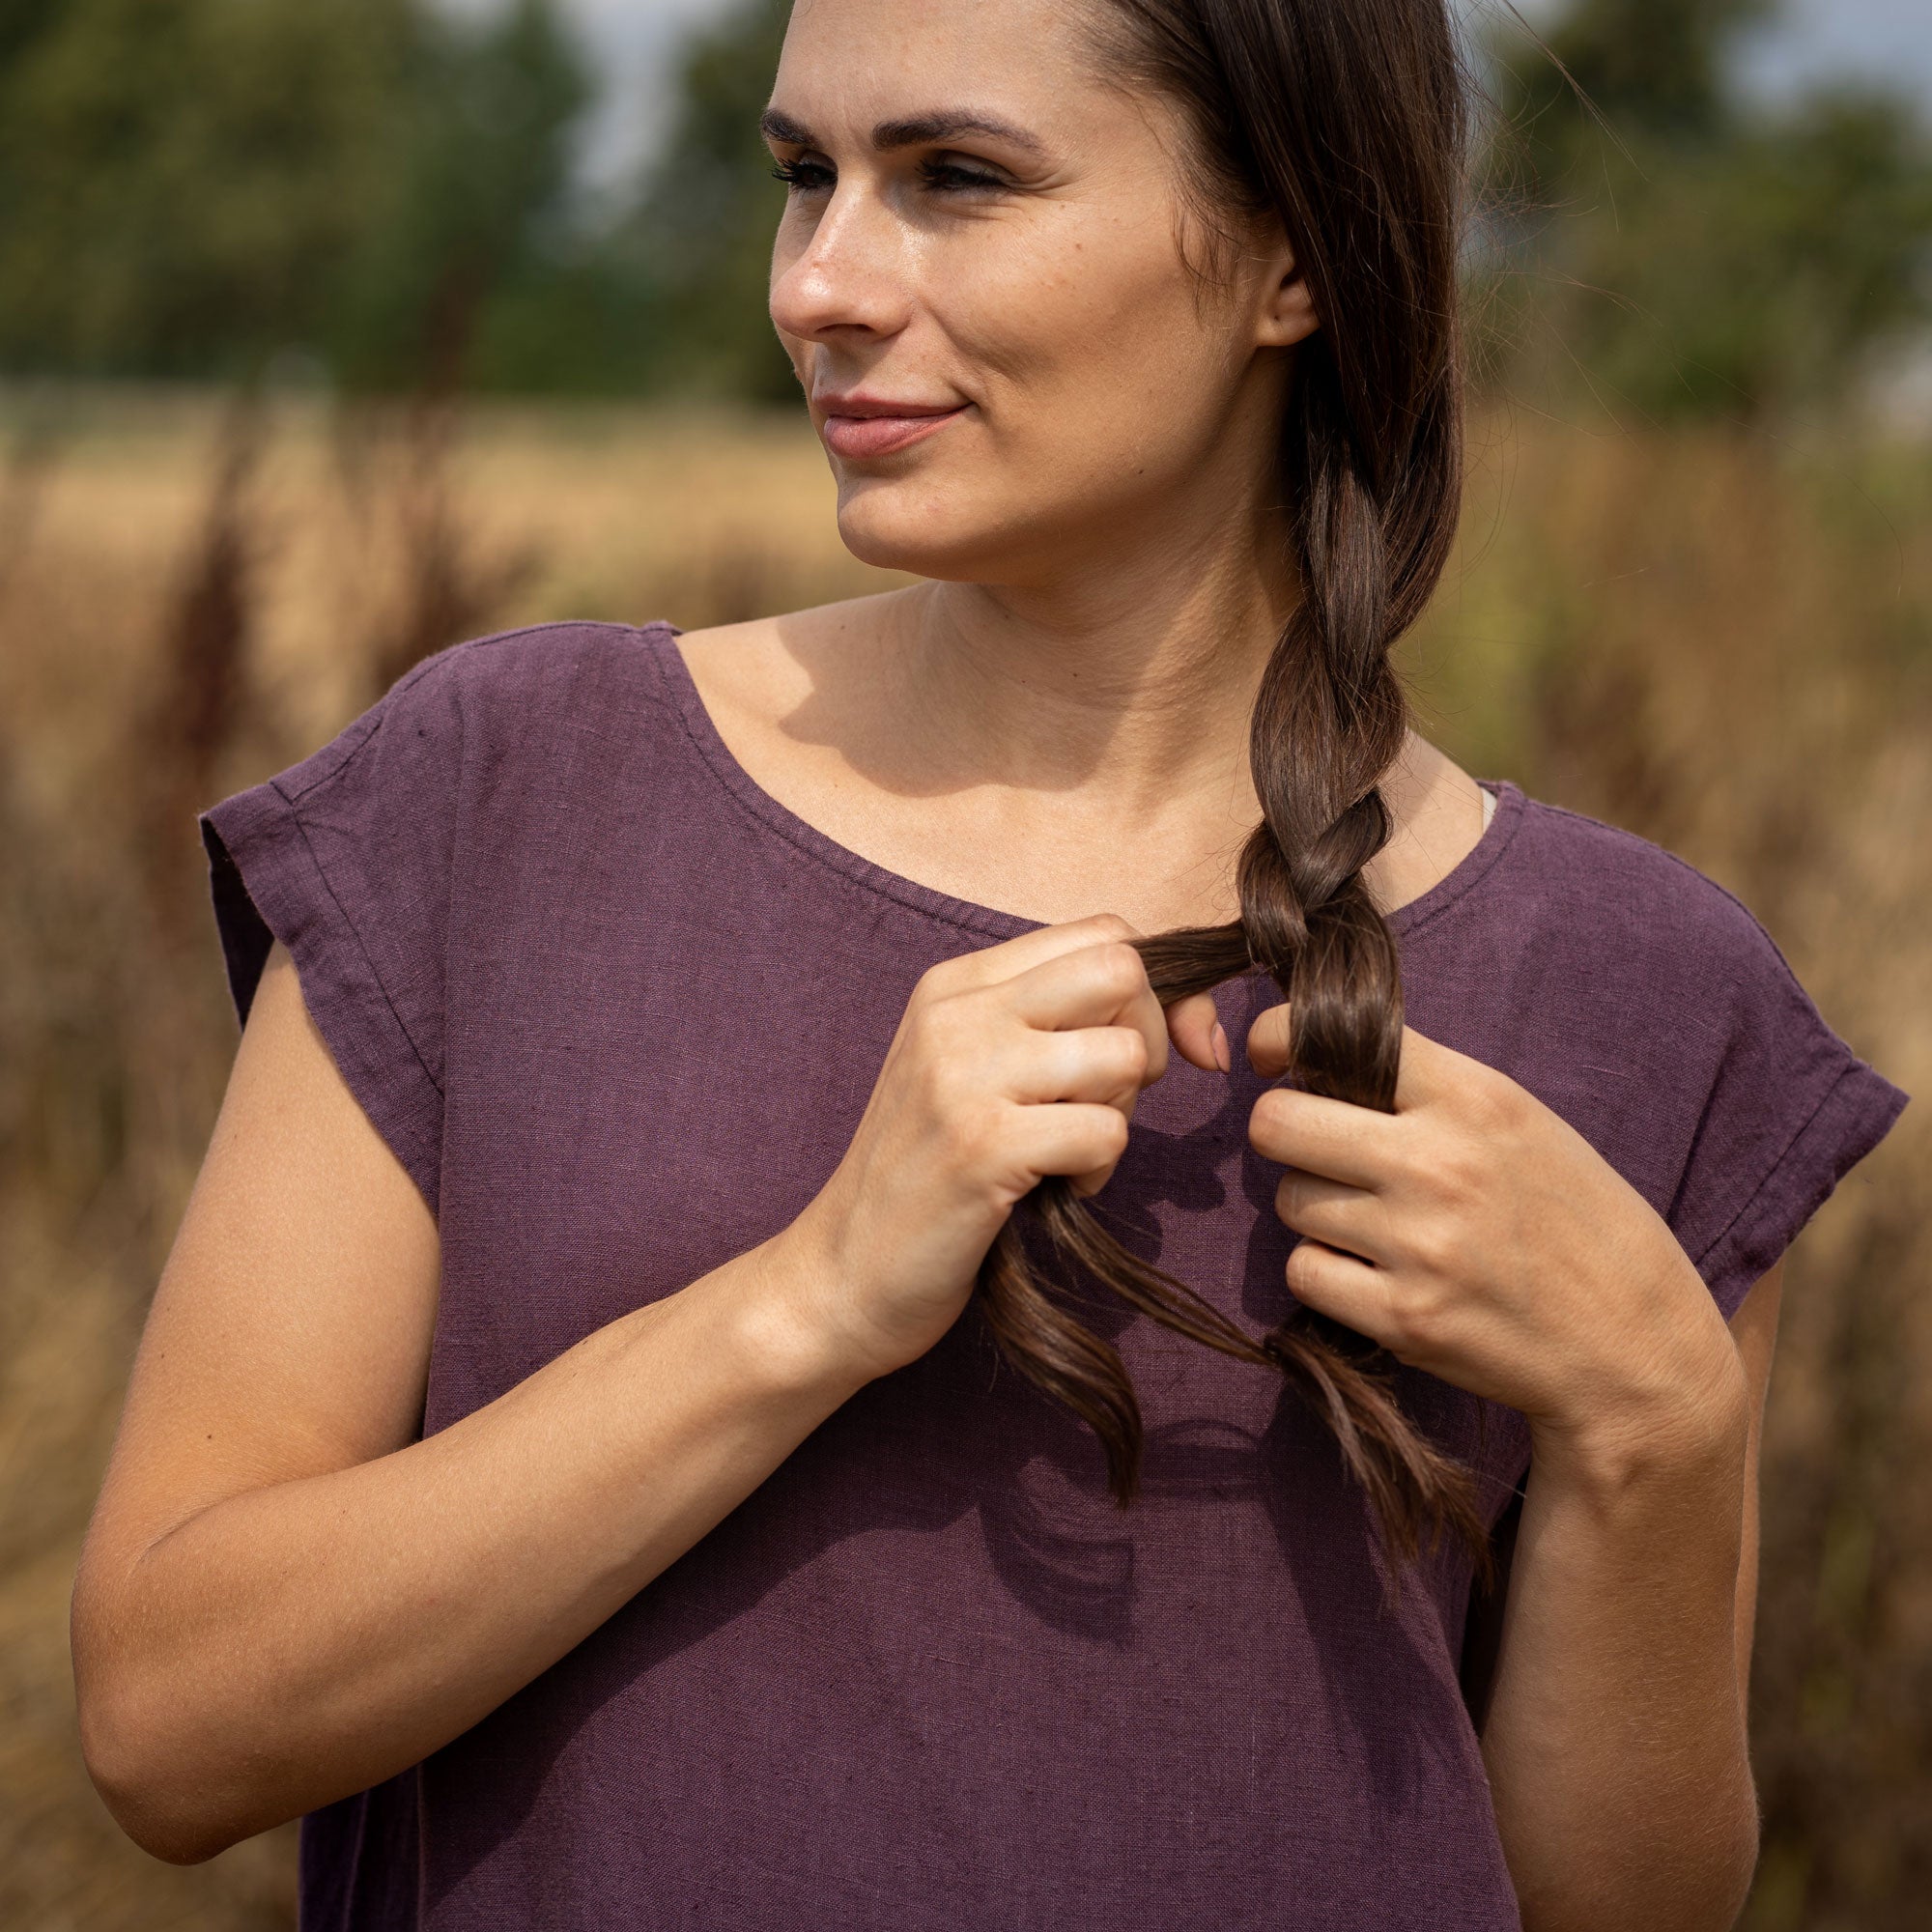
845, 272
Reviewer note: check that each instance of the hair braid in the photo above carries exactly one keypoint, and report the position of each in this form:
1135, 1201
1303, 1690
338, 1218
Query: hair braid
1346, 118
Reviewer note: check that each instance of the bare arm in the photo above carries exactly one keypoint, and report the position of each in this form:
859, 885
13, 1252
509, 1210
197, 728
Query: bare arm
1615, 1733
284, 1597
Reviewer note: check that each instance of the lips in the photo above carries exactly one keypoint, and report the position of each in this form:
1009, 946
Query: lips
864, 428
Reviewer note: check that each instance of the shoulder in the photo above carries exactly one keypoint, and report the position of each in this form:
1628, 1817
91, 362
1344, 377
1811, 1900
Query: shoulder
498, 697
1612, 978
521, 677
1604, 893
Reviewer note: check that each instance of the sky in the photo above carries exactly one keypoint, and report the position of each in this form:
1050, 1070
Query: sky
634, 42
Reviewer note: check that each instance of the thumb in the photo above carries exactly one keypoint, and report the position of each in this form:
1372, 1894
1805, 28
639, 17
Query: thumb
1268, 1041
1195, 1028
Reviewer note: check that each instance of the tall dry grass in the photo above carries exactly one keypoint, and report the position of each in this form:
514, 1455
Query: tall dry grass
1725, 646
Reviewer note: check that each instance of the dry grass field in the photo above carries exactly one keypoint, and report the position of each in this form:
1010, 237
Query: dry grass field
1722, 644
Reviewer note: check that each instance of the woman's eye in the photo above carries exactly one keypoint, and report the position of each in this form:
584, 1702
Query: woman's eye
948, 178
803, 176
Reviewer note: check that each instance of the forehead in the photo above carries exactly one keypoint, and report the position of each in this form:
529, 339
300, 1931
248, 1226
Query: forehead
850, 64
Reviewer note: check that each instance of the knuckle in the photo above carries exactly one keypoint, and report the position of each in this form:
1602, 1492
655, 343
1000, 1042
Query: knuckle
1284, 1195
1300, 1264
1400, 1334
1413, 1322
1130, 1051
1110, 926
937, 981
1460, 1174
976, 1135
1432, 1247
1269, 1117
1492, 1101
1121, 969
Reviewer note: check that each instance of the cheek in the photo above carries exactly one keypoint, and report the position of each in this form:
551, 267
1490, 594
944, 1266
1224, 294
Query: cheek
1098, 387
1095, 368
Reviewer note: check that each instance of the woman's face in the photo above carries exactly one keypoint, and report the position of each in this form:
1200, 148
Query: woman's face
1025, 275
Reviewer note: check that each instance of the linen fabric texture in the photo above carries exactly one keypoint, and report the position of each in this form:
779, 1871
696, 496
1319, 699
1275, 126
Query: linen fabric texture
617, 1012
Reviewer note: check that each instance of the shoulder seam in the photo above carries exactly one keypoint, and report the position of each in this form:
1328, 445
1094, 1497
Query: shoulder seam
377, 714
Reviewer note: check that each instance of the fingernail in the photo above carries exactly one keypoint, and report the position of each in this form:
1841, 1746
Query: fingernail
1222, 1058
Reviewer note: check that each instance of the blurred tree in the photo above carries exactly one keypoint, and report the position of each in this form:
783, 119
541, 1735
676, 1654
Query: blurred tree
1655, 65
708, 210
188, 185
473, 202
1683, 251
23, 21
178, 180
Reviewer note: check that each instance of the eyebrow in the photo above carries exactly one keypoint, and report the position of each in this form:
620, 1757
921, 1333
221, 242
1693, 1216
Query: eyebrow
939, 125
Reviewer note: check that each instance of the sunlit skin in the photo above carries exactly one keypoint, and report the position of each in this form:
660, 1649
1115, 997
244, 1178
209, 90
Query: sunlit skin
286, 1598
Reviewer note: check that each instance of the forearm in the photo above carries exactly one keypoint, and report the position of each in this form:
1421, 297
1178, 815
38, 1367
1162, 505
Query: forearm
1615, 1739
299, 1642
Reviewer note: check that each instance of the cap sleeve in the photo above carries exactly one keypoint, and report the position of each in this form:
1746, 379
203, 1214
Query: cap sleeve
345, 858
1792, 1109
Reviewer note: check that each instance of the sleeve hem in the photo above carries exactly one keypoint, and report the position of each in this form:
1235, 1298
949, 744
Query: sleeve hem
1857, 1112
267, 884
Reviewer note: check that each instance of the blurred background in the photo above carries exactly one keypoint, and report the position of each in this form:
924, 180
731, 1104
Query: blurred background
329, 335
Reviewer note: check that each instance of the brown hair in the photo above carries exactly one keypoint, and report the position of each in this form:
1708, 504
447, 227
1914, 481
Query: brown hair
1347, 120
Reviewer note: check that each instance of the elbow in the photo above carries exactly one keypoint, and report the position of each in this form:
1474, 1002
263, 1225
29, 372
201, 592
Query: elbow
1745, 1842
134, 1751
160, 1807
1698, 1886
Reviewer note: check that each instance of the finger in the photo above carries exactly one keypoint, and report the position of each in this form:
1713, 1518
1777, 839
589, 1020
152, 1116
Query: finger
993, 965
1338, 1285
1103, 985
1427, 1072
1107, 1065
1321, 1136
1268, 1042
1335, 1215
1422, 1073
1082, 1141
1195, 1028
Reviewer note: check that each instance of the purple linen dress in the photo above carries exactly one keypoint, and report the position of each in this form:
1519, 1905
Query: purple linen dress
617, 1012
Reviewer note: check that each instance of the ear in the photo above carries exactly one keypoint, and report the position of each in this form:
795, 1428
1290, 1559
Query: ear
1287, 309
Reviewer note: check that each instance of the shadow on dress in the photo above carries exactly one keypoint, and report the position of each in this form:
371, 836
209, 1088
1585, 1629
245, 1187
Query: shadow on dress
961, 1435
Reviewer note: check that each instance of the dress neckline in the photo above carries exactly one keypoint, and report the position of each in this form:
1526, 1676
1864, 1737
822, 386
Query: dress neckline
661, 635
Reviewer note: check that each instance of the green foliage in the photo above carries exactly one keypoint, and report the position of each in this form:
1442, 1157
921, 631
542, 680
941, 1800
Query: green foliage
478, 170
709, 211
188, 185
1682, 253
1650, 64
176, 180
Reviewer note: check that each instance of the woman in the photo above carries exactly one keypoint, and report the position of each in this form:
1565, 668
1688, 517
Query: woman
562, 1461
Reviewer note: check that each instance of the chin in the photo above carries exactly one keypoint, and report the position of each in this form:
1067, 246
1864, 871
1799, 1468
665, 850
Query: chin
894, 528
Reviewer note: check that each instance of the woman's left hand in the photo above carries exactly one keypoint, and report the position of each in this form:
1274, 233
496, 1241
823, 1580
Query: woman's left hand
1476, 1235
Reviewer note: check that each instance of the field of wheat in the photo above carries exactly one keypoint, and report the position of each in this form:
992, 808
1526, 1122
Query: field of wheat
1722, 643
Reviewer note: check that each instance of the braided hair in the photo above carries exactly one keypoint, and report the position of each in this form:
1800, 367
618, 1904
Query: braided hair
1347, 120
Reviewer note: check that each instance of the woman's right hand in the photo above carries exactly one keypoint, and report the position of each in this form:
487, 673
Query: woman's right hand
1011, 1064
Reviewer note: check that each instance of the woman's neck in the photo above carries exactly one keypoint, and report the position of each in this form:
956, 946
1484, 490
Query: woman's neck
1133, 702
1051, 754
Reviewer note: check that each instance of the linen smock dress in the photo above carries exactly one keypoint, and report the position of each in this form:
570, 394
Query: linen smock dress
617, 1012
